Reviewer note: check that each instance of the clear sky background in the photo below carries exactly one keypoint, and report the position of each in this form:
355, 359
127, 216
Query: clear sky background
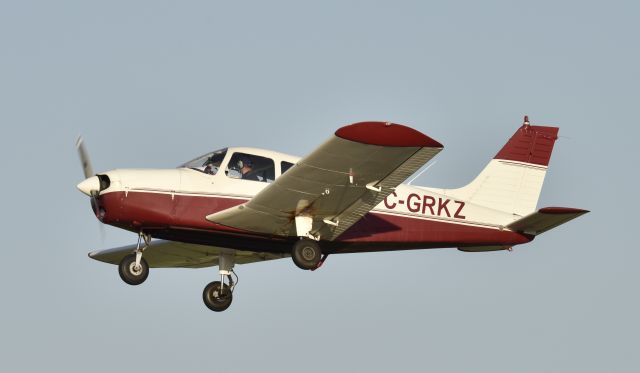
156, 83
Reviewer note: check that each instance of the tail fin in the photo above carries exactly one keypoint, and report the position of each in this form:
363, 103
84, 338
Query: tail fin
512, 181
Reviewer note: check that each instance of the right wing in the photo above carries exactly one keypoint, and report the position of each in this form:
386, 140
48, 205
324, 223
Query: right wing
172, 254
337, 184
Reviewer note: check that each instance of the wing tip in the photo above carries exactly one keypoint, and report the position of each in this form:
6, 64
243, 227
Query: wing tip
386, 134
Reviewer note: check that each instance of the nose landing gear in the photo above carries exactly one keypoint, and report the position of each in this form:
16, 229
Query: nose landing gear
133, 269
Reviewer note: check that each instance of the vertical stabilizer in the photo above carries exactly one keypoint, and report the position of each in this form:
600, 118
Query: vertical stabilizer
512, 181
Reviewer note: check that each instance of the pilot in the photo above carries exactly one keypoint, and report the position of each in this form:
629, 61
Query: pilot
209, 169
246, 167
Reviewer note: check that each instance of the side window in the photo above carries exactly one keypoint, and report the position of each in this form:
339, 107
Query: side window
284, 166
251, 167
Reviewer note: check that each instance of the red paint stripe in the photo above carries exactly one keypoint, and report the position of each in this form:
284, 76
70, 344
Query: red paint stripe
561, 210
386, 134
530, 144
187, 212
377, 228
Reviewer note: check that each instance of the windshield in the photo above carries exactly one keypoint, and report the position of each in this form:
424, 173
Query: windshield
208, 163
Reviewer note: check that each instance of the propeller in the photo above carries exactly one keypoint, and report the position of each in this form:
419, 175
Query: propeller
90, 179
84, 158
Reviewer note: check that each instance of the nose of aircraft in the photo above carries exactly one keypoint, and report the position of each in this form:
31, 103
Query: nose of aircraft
86, 186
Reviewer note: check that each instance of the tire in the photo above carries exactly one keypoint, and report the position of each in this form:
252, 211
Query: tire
213, 300
306, 254
127, 271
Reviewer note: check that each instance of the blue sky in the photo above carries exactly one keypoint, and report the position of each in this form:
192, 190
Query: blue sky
156, 83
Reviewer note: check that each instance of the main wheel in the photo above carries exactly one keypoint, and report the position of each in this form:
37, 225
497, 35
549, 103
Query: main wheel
215, 299
306, 254
129, 273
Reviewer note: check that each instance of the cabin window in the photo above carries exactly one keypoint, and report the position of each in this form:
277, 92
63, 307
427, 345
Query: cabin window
208, 163
284, 166
251, 167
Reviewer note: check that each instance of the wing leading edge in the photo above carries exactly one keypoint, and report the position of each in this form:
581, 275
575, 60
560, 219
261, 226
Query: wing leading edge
338, 183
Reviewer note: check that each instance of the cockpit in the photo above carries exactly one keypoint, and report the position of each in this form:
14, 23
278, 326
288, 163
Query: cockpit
243, 163
208, 163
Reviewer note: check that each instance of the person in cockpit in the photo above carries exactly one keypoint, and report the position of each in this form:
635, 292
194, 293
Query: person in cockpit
208, 169
212, 166
245, 165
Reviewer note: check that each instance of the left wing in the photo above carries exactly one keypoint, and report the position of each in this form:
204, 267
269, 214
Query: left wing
337, 184
172, 254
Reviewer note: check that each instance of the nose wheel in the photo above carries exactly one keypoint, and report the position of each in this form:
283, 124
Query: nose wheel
133, 269
132, 273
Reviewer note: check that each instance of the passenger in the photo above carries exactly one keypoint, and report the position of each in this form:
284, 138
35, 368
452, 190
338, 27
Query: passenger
246, 167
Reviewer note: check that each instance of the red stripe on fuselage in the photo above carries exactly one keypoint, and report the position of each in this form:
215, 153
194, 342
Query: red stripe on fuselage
178, 214
134, 210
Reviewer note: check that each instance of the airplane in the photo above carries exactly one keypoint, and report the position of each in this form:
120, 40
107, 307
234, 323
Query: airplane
241, 205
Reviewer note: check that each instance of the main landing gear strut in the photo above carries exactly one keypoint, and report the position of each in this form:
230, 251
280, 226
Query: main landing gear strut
306, 254
133, 269
217, 295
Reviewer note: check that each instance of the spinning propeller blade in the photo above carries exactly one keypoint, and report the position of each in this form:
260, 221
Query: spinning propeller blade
88, 173
84, 158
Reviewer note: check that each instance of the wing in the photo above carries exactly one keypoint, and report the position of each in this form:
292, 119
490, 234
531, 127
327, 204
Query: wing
338, 183
171, 254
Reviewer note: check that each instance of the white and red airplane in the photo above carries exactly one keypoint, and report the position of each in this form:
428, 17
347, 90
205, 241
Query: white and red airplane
244, 205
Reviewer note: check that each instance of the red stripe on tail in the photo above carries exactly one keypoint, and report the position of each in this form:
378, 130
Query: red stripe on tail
530, 144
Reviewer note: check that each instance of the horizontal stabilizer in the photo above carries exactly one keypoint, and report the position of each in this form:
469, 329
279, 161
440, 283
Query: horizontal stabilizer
545, 219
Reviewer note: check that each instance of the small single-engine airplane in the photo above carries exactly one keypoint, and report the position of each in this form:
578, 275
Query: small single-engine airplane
244, 205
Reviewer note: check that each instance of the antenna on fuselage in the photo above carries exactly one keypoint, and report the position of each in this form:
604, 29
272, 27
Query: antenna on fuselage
421, 172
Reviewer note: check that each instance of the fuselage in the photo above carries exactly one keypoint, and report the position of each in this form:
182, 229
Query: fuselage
172, 204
